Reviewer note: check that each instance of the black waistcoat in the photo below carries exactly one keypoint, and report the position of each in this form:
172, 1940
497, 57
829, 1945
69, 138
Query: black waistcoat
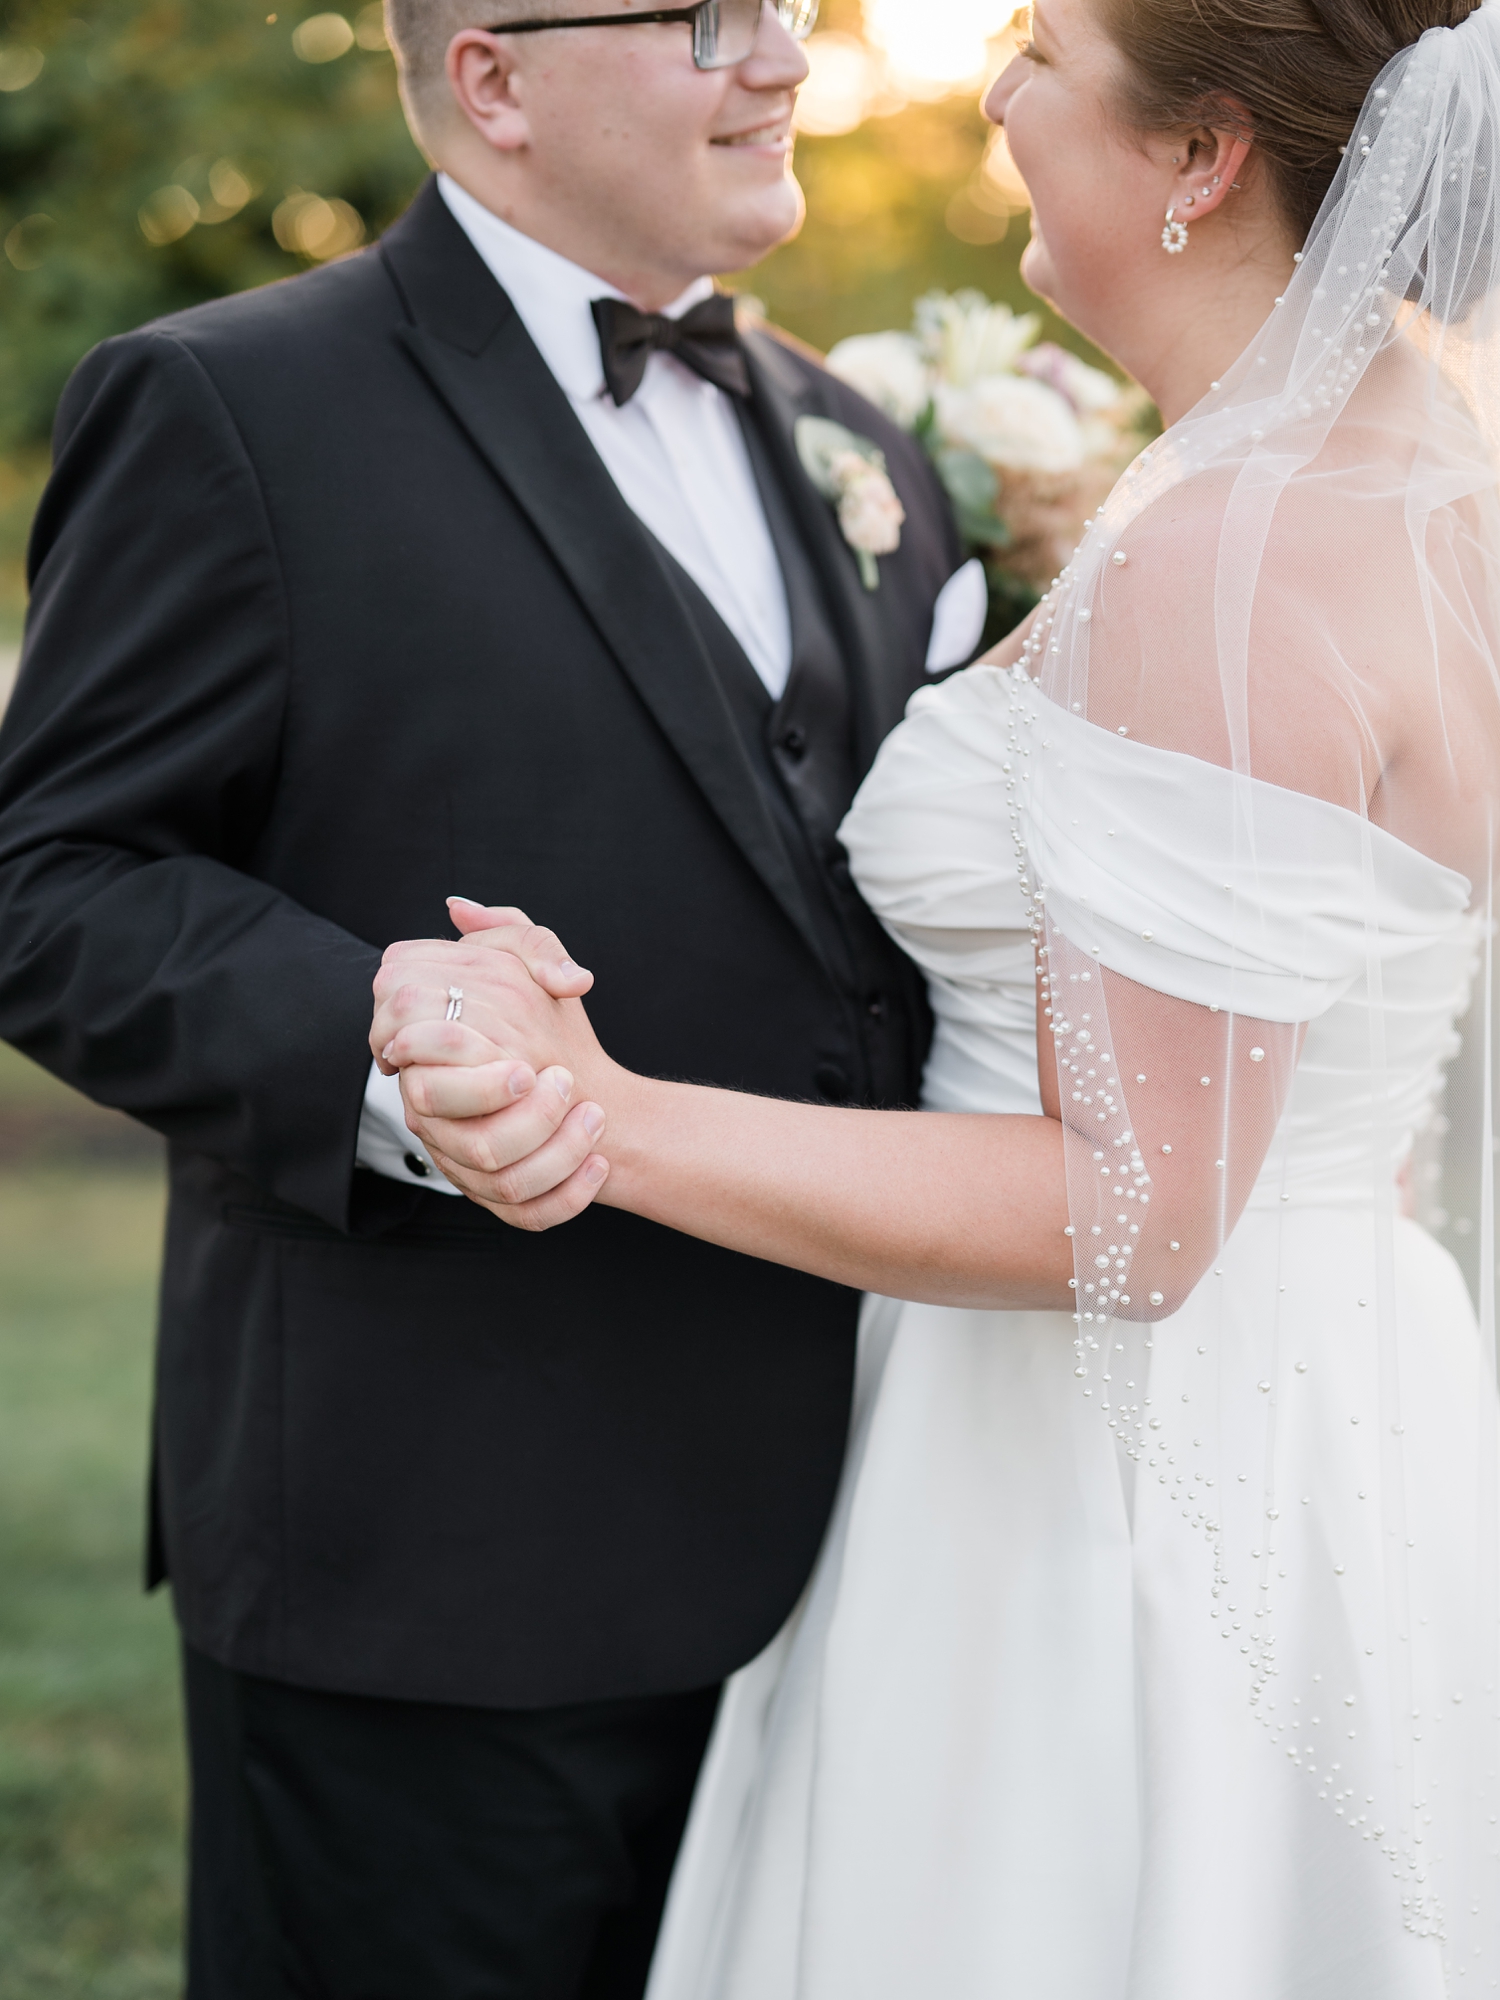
802, 750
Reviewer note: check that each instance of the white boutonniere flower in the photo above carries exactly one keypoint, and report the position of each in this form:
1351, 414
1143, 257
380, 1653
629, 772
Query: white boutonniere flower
850, 471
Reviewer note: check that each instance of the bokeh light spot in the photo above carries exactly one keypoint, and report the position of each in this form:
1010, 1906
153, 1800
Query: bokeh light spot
369, 27
312, 225
27, 241
167, 215
228, 186
19, 67
846, 79
322, 38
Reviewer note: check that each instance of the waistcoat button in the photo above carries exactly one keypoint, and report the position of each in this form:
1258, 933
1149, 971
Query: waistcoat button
832, 1082
794, 741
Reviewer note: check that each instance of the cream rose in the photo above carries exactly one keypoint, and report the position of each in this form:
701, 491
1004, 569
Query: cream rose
1012, 422
870, 513
889, 369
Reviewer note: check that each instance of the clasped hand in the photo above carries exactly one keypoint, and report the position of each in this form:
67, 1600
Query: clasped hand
501, 1096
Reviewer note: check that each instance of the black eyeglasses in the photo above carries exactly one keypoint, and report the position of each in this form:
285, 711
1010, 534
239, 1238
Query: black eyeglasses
724, 31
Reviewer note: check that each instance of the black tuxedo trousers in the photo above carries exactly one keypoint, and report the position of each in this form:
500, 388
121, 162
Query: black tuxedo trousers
336, 612
349, 1848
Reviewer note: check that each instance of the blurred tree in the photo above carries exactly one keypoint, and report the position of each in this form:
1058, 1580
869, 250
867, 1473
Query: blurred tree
881, 205
154, 153
143, 162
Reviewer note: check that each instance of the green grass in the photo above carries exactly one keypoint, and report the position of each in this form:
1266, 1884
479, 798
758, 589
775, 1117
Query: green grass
91, 1778
45, 1125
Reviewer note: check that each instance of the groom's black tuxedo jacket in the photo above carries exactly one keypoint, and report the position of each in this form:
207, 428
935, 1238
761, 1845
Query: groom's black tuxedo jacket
336, 612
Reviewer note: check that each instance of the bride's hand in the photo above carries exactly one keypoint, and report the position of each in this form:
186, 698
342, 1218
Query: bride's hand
494, 1094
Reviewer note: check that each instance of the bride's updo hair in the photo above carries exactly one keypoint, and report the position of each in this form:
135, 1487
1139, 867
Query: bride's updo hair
1294, 73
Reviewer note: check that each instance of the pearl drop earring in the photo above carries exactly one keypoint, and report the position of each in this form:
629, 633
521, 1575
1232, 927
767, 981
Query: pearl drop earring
1174, 235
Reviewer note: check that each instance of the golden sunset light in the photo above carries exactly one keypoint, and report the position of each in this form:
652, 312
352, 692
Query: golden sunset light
908, 51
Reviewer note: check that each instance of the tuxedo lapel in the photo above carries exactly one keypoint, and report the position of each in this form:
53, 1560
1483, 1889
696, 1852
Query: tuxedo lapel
878, 681
471, 345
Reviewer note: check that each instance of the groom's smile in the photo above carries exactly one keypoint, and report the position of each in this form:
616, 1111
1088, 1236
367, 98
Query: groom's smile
773, 139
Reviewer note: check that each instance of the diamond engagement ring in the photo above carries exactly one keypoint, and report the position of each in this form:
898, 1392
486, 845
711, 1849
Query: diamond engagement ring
455, 1004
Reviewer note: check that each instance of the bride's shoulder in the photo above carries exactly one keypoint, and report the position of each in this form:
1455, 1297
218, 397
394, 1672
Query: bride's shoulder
1281, 630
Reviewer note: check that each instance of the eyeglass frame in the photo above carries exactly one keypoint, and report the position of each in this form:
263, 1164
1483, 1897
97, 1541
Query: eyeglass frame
688, 14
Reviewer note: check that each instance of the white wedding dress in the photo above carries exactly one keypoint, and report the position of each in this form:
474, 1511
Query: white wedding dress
1003, 1750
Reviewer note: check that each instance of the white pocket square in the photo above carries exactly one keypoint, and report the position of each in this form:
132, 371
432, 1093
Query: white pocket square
958, 618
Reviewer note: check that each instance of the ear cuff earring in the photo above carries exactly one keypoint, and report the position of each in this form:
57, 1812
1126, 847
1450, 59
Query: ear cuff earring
1174, 235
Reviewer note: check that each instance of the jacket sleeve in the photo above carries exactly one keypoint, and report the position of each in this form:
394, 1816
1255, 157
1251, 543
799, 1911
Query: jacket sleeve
140, 958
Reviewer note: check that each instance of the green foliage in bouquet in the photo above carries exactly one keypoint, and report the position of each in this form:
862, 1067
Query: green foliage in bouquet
972, 487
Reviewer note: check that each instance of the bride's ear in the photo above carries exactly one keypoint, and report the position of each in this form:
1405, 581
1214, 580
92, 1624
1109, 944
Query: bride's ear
1206, 167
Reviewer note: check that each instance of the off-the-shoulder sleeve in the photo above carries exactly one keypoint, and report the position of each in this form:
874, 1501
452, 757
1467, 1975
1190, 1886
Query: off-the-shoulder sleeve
933, 836
1217, 888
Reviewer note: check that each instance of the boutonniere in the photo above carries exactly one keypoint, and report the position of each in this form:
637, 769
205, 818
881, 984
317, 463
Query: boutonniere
850, 471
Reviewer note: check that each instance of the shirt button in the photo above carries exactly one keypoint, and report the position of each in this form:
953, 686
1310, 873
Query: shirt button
416, 1166
831, 1081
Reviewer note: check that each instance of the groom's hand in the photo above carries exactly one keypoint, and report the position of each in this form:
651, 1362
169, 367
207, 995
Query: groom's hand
418, 976
501, 1118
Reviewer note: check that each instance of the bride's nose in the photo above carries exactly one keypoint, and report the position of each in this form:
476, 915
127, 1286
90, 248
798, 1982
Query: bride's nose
1003, 89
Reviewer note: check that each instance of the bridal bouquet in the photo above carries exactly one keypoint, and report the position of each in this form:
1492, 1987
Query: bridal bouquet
1026, 438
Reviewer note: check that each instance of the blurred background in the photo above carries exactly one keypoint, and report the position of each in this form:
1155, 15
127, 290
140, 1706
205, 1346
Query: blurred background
154, 153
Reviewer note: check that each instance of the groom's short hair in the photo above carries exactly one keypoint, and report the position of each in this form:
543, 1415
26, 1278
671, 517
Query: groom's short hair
419, 31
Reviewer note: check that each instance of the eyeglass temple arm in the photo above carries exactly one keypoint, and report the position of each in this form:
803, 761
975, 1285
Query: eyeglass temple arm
595, 21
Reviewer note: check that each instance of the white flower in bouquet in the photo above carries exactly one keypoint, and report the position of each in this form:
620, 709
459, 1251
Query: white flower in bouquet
889, 369
1089, 390
1101, 403
965, 338
1012, 422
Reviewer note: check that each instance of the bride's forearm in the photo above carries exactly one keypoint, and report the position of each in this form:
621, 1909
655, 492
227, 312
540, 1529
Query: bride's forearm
954, 1209
522, 1109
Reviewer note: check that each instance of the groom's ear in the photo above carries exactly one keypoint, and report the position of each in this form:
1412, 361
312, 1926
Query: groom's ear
484, 76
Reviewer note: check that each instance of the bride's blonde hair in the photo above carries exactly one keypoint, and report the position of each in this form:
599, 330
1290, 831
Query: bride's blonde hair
1292, 74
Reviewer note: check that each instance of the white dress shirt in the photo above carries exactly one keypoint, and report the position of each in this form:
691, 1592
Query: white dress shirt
675, 450
678, 456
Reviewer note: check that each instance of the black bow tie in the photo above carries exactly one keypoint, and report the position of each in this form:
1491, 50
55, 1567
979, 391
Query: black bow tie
704, 340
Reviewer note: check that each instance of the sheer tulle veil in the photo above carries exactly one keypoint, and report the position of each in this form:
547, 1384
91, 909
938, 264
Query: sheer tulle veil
1300, 584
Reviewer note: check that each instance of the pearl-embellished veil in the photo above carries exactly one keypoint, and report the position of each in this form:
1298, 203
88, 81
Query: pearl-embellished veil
1299, 586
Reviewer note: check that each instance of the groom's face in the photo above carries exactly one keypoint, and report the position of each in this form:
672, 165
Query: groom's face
624, 155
